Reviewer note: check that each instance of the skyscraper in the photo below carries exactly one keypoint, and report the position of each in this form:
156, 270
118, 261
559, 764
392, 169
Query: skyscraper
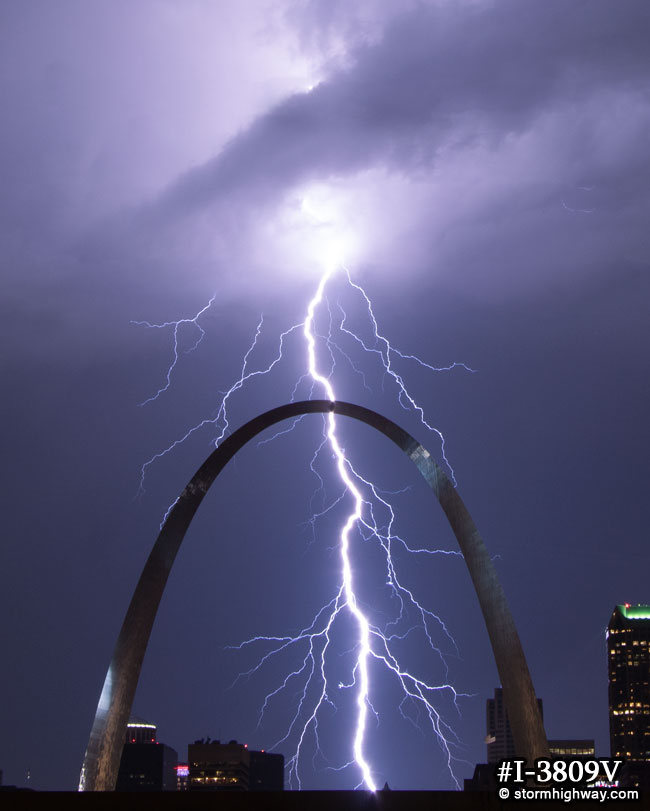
501, 745
146, 764
628, 654
499, 740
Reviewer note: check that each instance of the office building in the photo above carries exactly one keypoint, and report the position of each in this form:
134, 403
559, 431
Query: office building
628, 659
216, 766
572, 748
499, 740
146, 765
500, 745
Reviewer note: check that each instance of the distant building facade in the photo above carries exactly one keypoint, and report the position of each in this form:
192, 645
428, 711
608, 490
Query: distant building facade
500, 743
216, 766
146, 765
572, 748
182, 776
628, 660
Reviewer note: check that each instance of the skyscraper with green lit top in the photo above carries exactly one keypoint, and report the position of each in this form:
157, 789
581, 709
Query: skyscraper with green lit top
628, 653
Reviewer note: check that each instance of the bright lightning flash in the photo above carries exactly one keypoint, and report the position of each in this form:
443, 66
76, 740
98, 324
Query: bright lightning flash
353, 518
372, 643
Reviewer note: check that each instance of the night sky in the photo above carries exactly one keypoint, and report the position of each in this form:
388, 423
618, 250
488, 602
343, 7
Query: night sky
484, 167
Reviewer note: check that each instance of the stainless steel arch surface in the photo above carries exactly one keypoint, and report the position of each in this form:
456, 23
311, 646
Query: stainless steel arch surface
101, 763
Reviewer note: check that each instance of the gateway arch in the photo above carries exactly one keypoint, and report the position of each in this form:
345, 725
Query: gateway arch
102, 759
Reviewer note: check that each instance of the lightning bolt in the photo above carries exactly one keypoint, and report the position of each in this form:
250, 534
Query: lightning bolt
347, 593
176, 326
373, 646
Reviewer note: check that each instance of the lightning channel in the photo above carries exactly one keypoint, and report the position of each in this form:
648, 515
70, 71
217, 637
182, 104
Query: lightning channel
176, 327
350, 598
370, 518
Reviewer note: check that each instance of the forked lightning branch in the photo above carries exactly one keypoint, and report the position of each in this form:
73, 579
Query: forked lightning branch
373, 647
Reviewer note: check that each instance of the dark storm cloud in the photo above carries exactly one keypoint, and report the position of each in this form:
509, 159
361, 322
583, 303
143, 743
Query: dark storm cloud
453, 73
444, 90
